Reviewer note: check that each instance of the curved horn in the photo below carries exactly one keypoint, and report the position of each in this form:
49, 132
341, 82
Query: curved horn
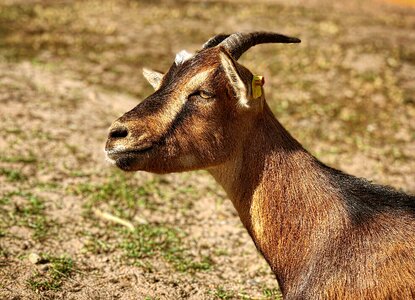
238, 43
216, 40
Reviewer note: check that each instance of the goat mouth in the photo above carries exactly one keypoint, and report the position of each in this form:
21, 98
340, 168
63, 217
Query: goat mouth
117, 154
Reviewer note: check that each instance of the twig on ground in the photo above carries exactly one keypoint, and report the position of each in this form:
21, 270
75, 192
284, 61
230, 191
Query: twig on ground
114, 219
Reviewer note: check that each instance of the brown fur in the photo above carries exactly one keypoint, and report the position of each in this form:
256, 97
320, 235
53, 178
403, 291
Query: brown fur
299, 223
296, 214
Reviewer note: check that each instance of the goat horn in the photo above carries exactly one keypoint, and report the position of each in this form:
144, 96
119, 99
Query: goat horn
238, 43
216, 40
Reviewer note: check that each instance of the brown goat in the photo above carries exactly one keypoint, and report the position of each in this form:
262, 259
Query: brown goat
325, 234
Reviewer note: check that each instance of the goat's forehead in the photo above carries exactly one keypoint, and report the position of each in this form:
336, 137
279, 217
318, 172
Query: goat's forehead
199, 77
188, 65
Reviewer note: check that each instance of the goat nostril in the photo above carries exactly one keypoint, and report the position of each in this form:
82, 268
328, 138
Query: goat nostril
118, 132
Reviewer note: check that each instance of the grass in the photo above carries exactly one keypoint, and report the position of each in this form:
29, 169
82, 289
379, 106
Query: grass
272, 293
151, 240
29, 213
27, 159
222, 293
59, 269
225, 294
123, 194
97, 246
146, 243
12, 175
33, 216
124, 197
48, 185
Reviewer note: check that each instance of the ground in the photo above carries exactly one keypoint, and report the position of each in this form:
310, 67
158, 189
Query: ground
69, 68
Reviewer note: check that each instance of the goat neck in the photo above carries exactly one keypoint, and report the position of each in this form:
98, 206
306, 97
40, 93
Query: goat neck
278, 191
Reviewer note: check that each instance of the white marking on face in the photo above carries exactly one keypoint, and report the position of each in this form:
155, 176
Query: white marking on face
112, 151
111, 161
116, 149
182, 56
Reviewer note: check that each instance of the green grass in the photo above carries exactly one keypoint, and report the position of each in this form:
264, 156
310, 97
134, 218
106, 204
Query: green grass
33, 216
12, 175
98, 246
222, 293
48, 185
157, 240
29, 213
26, 159
123, 195
146, 243
272, 293
60, 268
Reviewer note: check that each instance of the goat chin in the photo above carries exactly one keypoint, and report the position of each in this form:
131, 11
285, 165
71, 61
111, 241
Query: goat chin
110, 160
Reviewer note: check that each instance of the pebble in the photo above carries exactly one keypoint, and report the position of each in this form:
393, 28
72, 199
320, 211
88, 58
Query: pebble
26, 245
34, 258
252, 282
44, 268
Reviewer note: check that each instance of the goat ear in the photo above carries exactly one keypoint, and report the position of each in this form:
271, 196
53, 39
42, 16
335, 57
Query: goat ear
153, 77
240, 88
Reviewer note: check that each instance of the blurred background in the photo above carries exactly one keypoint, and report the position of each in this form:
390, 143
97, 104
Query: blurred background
69, 68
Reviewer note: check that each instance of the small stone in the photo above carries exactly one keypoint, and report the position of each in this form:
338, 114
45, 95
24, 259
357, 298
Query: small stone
252, 282
44, 268
34, 258
25, 246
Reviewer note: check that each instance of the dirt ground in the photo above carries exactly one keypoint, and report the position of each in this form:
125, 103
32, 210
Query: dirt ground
69, 68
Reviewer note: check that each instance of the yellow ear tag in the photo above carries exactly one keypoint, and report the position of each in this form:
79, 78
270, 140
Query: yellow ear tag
257, 83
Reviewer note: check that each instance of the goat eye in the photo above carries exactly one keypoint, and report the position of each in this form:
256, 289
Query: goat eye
201, 94
205, 95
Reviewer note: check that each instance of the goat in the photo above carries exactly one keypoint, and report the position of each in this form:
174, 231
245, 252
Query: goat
325, 234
